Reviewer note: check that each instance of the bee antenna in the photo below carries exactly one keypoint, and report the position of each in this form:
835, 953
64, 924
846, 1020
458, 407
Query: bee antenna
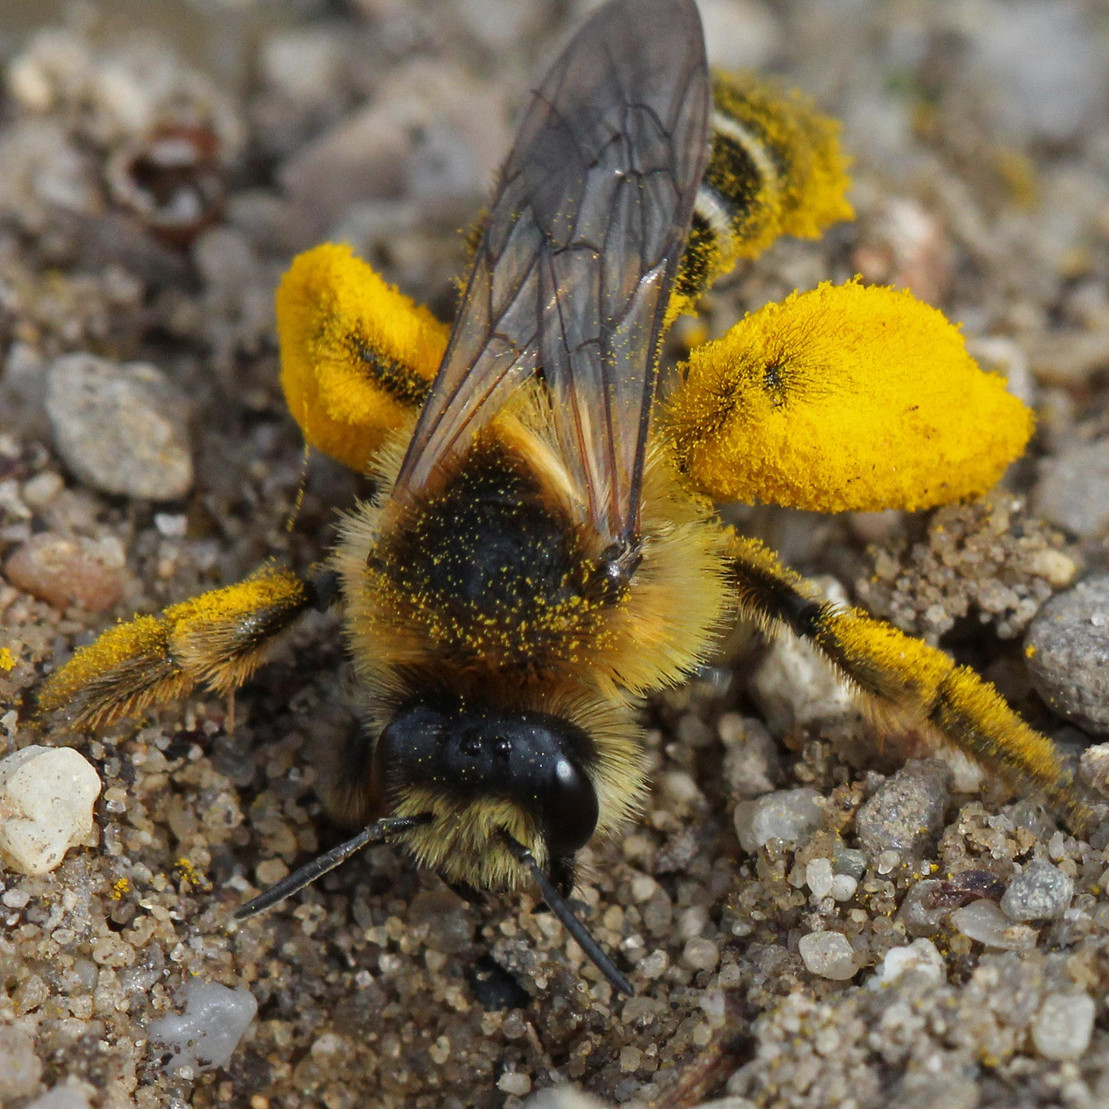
377, 832
561, 909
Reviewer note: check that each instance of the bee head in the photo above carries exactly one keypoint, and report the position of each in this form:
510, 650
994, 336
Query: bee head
487, 776
491, 799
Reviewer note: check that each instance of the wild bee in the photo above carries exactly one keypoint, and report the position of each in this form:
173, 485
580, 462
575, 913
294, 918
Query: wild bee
541, 551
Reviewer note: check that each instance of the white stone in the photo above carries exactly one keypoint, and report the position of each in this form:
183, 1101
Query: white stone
209, 1030
1063, 1025
1039, 892
919, 957
829, 955
790, 815
563, 1097
60, 1097
514, 1082
46, 799
985, 923
819, 877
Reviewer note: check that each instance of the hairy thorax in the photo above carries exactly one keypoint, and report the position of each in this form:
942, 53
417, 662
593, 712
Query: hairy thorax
490, 585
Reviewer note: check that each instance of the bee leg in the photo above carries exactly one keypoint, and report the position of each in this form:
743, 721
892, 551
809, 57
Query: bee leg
218, 638
904, 680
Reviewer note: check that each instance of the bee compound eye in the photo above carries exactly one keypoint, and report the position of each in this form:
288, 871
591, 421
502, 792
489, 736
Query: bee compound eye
571, 810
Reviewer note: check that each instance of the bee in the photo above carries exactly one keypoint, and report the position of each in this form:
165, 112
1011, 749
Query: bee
541, 551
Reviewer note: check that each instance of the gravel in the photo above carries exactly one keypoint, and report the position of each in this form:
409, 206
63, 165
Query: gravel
921, 957
64, 570
22, 1068
207, 1033
985, 923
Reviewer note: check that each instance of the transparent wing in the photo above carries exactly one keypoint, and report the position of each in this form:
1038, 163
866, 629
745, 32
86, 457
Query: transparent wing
575, 264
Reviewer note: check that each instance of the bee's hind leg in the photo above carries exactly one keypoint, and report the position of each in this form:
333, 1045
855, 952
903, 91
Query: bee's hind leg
905, 679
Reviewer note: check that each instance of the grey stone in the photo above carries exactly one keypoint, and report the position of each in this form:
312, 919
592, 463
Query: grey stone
1067, 648
1039, 892
907, 810
120, 428
1073, 489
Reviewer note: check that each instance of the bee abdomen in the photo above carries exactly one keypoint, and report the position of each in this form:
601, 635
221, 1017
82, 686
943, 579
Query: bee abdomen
776, 169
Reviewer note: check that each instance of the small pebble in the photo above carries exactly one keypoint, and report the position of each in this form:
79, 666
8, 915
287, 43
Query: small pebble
983, 922
851, 862
60, 1097
46, 800
563, 1097
819, 877
907, 246
514, 1082
919, 957
171, 524
40, 490
751, 762
120, 428
1067, 648
790, 815
1094, 767
1064, 1024
654, 965
206, 1035
21, 1070
630, 1058
447, 920
303, 63
1073, 490
1039, 892
700, 954
15, 899
269, 872
907, 811
828, 955
62, 571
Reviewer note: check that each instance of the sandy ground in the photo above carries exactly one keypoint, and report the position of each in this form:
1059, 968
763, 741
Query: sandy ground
980, 132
